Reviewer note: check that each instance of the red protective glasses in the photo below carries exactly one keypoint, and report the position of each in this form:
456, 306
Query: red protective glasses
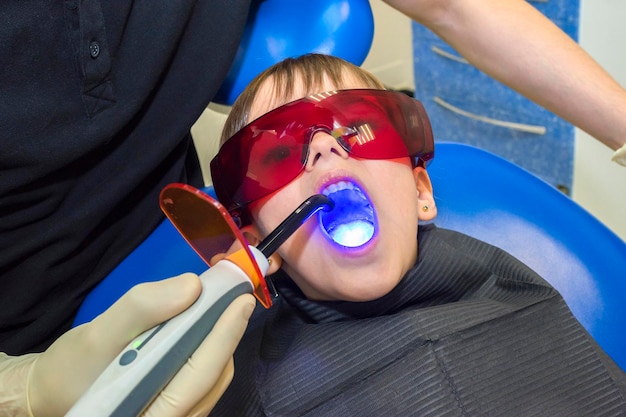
271, 151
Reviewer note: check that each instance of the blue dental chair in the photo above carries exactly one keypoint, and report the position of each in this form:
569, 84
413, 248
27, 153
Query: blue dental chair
484, 196
477, 193
274, 31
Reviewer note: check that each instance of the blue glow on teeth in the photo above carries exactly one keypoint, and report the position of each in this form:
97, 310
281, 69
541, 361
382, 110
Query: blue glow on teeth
352, 222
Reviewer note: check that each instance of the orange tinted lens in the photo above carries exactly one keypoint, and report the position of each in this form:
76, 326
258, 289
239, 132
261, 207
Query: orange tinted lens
208, 228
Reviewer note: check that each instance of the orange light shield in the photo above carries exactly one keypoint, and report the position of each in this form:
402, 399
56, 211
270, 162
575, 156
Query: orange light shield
211, 232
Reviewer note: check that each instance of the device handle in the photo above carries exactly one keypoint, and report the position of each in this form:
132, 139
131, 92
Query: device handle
141, 371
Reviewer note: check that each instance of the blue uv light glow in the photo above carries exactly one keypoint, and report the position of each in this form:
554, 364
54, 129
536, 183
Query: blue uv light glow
354, 234
352, 222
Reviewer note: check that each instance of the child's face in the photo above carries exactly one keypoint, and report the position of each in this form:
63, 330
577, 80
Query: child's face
398, 192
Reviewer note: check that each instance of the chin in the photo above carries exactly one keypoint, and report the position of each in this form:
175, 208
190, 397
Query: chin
358, 275
367, 289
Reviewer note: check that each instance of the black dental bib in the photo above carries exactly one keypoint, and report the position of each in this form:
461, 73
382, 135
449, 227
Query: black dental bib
468, 331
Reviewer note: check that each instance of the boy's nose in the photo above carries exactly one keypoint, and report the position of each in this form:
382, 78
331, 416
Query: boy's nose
322, 147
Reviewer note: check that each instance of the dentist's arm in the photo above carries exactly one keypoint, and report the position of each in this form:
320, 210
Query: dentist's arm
514, 43
47, 384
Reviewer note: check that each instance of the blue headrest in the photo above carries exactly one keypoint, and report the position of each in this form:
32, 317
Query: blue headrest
279, 29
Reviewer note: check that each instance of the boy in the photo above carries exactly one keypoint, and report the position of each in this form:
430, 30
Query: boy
390, 325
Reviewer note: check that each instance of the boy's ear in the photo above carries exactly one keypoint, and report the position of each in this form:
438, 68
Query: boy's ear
427, 210
253, 237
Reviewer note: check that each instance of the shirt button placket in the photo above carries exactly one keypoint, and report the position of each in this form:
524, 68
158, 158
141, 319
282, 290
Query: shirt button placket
94, 49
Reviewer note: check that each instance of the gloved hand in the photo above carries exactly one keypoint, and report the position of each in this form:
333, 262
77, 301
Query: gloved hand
620, 155
49, 383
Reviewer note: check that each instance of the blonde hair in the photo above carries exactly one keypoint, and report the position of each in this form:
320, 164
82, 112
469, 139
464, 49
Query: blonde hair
310, 69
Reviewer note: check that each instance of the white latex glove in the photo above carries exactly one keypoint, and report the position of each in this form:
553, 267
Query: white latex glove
49, 383
620, 156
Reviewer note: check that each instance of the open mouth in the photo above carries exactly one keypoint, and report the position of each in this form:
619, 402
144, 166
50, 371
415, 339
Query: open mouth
352, 222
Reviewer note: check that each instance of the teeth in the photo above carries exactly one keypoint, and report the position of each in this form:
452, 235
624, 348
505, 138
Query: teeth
352, 222
338, 186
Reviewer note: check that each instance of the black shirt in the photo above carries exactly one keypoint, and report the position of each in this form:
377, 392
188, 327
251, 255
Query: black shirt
97, 101
469, 331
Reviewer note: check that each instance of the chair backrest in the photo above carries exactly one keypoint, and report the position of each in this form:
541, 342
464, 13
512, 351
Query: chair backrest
482, 195
487, 197
274, 31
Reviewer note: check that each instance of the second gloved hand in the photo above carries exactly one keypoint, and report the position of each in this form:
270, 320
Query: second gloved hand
63, 373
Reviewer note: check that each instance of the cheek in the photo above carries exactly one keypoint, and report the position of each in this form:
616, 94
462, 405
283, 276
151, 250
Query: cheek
265, 218
271, 210
395, 191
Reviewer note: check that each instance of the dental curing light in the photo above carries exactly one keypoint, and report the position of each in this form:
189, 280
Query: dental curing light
141, 371
309, 207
